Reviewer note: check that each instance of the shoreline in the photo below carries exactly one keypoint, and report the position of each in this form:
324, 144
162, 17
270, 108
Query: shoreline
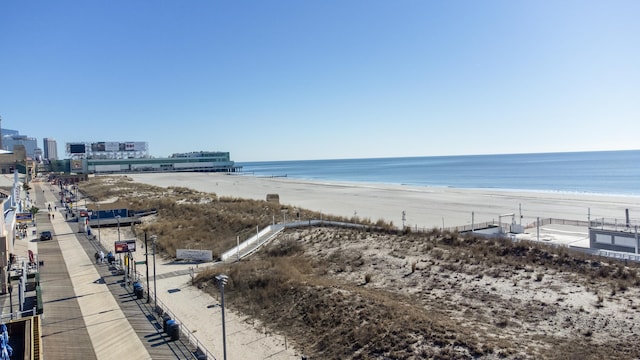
409, 185
423, 206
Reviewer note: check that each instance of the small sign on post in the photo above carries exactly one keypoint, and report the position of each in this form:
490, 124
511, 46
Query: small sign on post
125, 246
197, 255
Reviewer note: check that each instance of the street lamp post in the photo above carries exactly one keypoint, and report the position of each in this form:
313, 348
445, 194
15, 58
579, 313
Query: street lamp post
99, 240
118, 220
119, 256
222, 281
146, 262
155, 292
10, 288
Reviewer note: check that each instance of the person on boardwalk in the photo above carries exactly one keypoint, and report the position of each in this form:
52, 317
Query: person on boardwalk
97, 256
101, 257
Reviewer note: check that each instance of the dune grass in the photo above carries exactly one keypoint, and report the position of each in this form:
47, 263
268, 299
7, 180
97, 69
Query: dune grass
377, 293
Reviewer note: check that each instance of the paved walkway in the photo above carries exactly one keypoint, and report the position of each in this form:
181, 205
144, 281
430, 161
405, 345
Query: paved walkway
88, 313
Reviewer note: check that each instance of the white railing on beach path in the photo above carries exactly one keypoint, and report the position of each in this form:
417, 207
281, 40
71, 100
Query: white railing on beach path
618, 255
252, 244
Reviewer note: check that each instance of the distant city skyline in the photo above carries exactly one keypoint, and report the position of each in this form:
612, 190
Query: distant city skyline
291, 80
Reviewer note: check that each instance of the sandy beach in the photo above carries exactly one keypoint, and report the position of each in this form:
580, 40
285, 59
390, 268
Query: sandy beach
424, 207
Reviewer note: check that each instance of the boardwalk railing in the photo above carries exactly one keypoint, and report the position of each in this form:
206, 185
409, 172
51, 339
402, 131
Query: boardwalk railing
200, 351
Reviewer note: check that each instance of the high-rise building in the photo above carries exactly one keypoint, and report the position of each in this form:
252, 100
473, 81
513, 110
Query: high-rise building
9, 142
50, 149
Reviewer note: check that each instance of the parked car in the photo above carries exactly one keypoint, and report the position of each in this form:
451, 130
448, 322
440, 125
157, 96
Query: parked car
45, 235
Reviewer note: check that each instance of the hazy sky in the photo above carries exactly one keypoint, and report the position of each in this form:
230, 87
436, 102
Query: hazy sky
303, 79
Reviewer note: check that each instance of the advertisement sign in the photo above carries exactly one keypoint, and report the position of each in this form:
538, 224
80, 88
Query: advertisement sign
24, 217
76, 148
125, 246
111, 146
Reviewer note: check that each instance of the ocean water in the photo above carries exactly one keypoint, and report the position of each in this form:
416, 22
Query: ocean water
602, 172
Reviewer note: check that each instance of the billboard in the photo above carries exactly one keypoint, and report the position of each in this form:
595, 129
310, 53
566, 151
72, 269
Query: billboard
99, 146
76, 164
76, 149
125, 246
105, 146
24, 217
133, 146
111, 146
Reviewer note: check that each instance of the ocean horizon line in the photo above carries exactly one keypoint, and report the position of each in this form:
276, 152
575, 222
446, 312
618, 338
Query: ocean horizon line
438, 156
599, 172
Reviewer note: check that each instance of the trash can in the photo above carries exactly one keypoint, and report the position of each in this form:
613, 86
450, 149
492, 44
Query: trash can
138, 290
174, 330
165, 319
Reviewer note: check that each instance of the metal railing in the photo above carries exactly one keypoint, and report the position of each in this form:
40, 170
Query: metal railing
619, 255
602, 223
161, 309
17, 315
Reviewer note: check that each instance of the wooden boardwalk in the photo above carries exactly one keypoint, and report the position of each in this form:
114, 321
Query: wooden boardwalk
64, 330
144, 321
64, 333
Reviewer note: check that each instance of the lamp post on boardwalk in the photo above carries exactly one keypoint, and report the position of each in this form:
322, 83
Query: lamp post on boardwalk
146, 262
10, 288
155, 292
119, 256
99, 241
118, 220
222, 281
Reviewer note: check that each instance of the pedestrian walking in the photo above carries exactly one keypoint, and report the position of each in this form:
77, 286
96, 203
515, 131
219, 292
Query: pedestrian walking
101, 257
96, 256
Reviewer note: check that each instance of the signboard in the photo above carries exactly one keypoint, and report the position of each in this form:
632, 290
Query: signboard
125, 246
76, 148
198, 255
24, 217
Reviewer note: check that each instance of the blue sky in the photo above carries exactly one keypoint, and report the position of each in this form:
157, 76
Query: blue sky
290, 79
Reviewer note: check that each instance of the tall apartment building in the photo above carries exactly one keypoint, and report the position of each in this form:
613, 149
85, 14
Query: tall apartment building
9, 142
50, 149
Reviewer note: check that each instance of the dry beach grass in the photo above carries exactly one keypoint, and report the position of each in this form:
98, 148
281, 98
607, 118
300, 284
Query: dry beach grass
359, 294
